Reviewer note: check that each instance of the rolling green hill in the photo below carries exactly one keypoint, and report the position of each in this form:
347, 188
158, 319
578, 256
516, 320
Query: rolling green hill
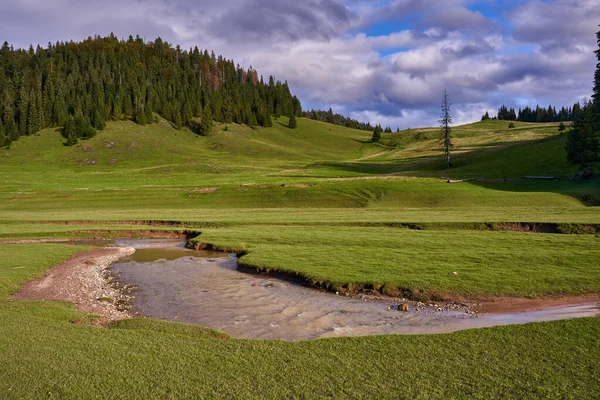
323, 202
143, 169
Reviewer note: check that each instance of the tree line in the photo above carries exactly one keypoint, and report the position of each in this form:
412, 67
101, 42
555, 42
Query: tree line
337, 119
81, 85
539, 114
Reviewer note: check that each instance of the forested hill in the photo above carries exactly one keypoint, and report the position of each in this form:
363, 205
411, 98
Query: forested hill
104, 78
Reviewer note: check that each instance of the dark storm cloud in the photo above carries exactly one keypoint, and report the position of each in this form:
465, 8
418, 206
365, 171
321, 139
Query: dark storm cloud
471, 49
291, 19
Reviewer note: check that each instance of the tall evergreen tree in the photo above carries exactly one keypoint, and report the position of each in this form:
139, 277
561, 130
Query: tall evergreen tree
582, 140
207, 123
69, 132
376, 134
596, 94
12, 132
292, 124
445, 128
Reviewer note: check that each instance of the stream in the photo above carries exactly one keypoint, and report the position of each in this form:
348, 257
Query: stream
200, 287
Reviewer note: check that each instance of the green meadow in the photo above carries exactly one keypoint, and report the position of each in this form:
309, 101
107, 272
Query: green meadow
323, 202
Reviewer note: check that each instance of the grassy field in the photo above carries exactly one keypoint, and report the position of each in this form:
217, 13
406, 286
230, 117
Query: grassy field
324, 202
44, 355
401, 260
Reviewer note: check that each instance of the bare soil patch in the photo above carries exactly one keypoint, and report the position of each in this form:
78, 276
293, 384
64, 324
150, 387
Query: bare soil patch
83, 281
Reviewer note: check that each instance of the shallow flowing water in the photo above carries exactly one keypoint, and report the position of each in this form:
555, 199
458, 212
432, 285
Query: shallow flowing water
205, 288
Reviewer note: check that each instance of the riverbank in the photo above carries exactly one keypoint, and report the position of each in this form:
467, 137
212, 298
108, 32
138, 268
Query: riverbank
83, 281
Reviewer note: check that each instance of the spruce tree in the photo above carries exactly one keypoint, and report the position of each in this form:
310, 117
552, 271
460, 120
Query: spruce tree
596, 94
582, 144
292, 122
445, 129
12, 132
267, 120
4, 141
69, 132
207, 122
376, 134
583, 141
330, 119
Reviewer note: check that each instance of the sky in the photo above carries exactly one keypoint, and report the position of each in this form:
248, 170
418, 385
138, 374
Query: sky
381, 61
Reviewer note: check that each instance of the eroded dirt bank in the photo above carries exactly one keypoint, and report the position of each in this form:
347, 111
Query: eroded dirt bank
503, 305
487, 305
81, 280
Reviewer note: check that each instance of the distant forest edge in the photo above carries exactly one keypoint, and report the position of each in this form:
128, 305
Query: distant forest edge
338, 119
82, 85
539, 114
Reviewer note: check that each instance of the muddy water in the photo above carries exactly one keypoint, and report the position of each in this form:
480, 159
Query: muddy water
205, 288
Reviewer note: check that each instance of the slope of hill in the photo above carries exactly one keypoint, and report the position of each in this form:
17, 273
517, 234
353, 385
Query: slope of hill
317, 165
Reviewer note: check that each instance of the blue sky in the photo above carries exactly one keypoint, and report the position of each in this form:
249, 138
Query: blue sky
386, 62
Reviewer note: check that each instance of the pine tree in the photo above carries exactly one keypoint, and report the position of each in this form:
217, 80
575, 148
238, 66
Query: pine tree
4, 141
207, 122
12, 132
267, 120
69, 132
177, 121
329, 117
583, 141
376, 134
84, 127
292, 122
596, 94
582, 144
445, 129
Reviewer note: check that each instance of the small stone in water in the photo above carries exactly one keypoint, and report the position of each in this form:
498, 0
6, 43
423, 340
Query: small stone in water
403, 307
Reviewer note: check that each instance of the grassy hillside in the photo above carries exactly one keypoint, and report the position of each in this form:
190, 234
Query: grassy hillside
324, 202
155, 168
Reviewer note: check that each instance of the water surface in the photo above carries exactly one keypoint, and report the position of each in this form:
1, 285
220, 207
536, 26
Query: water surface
177, 284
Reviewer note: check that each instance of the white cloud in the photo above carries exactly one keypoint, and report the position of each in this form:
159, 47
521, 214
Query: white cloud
320, 47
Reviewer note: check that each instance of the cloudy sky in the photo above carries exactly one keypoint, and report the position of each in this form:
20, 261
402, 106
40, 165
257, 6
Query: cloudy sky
385, 61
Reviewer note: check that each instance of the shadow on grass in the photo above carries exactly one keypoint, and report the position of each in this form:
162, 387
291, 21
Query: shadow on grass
284, 125
362, 141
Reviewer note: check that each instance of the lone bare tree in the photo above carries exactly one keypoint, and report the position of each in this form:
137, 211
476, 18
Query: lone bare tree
445, 129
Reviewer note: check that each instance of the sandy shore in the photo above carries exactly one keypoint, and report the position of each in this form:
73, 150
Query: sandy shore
82, 281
